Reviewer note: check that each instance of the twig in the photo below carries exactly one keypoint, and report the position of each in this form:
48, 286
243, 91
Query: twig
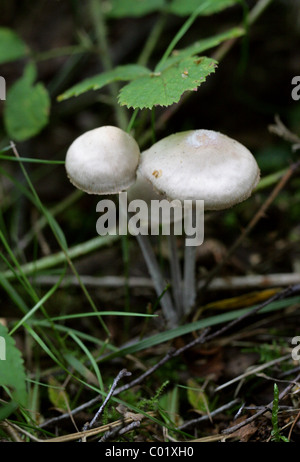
259, 214
248, 281
204, 337
281, 130
252, 371
120, 431
170, 354
268, 407
207, 417
122, 373
94, 431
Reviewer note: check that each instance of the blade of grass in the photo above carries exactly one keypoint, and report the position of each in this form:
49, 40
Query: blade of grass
191, 327
37, 306
58, 236
91, 359
32, 160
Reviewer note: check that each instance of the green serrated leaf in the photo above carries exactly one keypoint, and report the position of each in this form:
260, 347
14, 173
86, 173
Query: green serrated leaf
12, 373
119, 73
27, 107
187, 7
166, 87
11, 46
133, 8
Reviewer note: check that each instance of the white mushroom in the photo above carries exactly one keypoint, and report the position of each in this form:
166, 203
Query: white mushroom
103, 161
200, 165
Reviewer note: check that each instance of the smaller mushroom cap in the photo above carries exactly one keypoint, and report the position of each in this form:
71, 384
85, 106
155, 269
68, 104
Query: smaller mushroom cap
201, 164
103, 161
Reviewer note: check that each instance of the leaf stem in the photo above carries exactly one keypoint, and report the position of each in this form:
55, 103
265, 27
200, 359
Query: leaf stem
182, 31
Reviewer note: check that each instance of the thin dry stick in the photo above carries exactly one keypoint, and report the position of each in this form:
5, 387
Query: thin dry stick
207, 417
204, 337
261, 213
122, 373
170, 354
293, 425
121, 430
248, 281
262, 411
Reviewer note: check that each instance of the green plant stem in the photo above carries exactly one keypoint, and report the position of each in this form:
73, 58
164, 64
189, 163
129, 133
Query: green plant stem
152, 40
257, 10
98, 22
60, 257
182, 31
42, 221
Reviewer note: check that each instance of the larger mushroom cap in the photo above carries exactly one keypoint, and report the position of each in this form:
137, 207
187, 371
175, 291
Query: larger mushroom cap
103, 161
201, 164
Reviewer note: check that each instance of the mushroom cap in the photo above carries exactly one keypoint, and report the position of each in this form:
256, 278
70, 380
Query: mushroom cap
201, 164
103, 161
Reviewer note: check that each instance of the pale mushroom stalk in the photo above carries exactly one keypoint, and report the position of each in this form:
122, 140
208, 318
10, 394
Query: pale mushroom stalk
142, 190
200, 165
158, 281
104, 161
189, 278
176, 276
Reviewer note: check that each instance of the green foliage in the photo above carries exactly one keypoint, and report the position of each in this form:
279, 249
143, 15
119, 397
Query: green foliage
133, 8
182, 71
152, 403
266, 351
186, 7
197, 397
12, 373
27, 106
136, 8
119, 73
166, 87
276, 431
11, 46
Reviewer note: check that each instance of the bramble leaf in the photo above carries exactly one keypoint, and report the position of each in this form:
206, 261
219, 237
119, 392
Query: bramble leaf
27, 106
12, 373
119, 73
166, 87
11, 46
187, 7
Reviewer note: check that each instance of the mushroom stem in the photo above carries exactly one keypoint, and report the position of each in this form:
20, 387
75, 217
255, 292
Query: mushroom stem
189, 283
158, 281
175, 274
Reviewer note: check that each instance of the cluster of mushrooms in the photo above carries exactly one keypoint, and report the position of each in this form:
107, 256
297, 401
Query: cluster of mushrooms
186, 166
